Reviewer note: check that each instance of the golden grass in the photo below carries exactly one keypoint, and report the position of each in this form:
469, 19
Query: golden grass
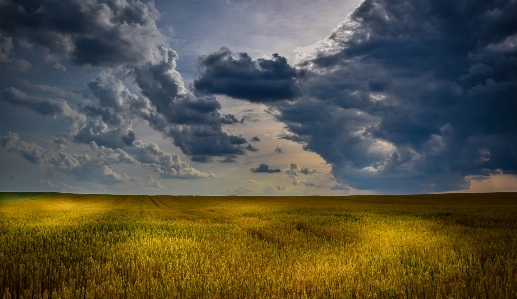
102, 246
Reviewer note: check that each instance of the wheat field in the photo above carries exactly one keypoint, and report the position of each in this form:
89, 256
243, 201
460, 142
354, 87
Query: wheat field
56, 245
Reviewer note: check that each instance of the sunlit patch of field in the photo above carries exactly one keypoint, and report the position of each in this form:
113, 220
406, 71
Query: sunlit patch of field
137, 246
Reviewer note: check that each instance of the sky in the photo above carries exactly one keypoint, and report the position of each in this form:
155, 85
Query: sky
258, 97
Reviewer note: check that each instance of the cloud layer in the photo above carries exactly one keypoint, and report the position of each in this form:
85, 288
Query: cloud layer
402, 97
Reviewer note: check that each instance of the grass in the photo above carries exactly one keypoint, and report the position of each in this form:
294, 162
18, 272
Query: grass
119, 246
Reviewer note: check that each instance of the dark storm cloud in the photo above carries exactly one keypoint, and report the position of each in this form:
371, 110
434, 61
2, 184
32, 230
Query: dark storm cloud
93, 32
264, 168
261, 80
205, 141
411, 96
417, 95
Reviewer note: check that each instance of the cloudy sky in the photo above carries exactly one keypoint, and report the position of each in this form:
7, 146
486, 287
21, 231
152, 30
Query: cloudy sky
251, 97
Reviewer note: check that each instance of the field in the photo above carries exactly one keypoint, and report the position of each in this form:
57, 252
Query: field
119, 246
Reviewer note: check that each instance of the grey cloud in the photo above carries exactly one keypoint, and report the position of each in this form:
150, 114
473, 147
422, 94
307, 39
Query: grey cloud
205, 140
111, 122
261, 80
56, 90
278, 149
44, 106
59, 66
202, 159
194, 124
478, 69
93, 32
101, 133
251, 148
167, 165
280, 188
8, 59
264, 168
47, 107
307, 171
110, 91
129, 138
164, 87
377, 84
255, 139
237, 139
229, 119
229, 159
94, 166
294, 178
83, 167
411, 97
122, 38
374, 130
31, 152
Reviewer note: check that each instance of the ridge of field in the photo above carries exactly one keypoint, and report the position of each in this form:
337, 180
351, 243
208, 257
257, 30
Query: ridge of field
139, 246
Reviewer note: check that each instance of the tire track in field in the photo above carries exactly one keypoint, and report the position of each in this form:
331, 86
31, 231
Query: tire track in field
153, 201
120, 200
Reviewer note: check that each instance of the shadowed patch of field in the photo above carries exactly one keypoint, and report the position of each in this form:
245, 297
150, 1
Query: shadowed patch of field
141, 246
17, 196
